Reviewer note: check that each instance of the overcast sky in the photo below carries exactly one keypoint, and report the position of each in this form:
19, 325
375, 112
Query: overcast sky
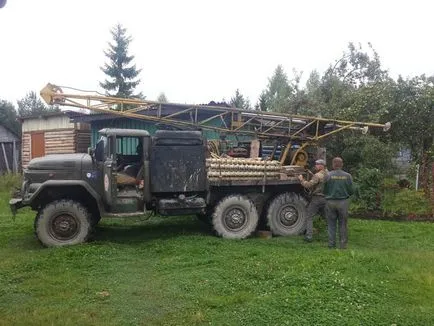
198, 51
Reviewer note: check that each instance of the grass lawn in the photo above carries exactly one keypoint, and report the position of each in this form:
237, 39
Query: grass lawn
175, 272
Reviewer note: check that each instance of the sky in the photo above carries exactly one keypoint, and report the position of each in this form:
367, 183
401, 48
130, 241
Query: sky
198, 51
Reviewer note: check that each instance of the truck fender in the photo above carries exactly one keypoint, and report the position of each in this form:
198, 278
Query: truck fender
63, 183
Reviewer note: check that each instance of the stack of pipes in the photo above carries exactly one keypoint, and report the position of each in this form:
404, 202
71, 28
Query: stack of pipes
242, 169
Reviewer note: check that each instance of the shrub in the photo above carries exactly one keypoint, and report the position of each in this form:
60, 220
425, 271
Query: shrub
367, 189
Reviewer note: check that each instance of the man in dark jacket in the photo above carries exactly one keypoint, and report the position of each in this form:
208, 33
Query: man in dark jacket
338, 188
317, 201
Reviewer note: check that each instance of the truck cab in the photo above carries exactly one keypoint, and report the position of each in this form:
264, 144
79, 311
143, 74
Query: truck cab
165, 173
127, 174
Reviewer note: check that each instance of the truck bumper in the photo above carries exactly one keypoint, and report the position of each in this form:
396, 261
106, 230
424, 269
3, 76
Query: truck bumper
15, 204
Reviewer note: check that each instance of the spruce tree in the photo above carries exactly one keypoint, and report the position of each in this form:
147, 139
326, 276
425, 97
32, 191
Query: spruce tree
162, 98
278, 92
238, 101
122, 75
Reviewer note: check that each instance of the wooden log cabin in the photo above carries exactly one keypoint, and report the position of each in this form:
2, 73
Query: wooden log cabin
52, 133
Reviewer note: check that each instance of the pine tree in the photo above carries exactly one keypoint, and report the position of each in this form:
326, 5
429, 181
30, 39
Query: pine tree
162, 98
238, 101
122, 74
261, 105
278, 92
32, 105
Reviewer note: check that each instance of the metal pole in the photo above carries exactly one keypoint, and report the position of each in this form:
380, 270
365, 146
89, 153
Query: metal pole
14, 158
6, 158
417, 176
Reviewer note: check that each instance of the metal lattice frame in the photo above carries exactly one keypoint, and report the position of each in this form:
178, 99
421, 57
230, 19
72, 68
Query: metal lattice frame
263, 125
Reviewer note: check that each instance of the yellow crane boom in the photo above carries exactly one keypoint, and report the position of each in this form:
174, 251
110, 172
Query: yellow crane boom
263, 125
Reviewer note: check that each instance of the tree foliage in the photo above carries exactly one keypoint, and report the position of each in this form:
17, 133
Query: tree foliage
261, 105
238, 101
8, 117
359, 151
278, 92
357, 67
412, 114
162, 98
122, 74
31, 105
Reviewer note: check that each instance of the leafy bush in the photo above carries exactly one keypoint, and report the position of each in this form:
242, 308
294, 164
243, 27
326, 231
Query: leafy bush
367, 189
362, 152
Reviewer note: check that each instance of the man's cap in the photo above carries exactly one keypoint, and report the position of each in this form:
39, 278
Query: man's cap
322, 162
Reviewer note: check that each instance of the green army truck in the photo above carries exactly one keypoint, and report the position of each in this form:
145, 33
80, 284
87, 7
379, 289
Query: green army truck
169, 173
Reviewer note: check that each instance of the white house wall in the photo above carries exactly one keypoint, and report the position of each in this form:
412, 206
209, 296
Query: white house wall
44, 124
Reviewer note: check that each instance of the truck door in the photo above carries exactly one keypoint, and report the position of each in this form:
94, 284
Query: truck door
109, 175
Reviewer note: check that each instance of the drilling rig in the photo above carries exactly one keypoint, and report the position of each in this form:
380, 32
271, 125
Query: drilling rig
177, 172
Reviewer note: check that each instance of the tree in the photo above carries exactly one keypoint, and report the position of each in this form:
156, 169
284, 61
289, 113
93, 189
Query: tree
32, 105
162, 98
298, 98
8, 117
355, 87
278, 92
238, 101
262, 102
361, 152
314, 103
358, 67
122, 74
412, 117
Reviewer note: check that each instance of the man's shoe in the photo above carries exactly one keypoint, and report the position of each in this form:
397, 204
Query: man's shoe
308, 239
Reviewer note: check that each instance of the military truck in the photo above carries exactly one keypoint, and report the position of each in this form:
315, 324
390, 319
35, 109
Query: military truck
130, 173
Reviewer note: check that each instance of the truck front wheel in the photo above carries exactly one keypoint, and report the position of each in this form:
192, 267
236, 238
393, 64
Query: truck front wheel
63, 223
235, 217
287, 214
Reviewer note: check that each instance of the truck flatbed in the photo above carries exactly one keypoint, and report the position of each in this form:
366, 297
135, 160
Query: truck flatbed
253, 182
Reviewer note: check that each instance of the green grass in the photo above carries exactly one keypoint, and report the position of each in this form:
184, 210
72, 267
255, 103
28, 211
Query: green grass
175, 272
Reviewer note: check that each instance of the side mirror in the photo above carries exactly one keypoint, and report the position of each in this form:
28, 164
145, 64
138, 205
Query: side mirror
90, 151
99, 151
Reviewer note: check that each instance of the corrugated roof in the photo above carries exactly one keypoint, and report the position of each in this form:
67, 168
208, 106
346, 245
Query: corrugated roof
52, 114
10, 130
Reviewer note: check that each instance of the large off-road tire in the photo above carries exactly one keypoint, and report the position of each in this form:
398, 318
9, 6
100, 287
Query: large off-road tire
286, 214
63, 223
235, 217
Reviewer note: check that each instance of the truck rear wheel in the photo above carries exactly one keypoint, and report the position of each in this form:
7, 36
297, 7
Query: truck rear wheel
63, 223
235, 217
287, 214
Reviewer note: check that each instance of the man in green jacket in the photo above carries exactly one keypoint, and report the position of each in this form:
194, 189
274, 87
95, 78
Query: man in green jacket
338, 188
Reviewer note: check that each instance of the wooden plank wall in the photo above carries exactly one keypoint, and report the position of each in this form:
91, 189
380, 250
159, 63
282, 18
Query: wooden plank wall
62, 141
25, 149
82, 140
